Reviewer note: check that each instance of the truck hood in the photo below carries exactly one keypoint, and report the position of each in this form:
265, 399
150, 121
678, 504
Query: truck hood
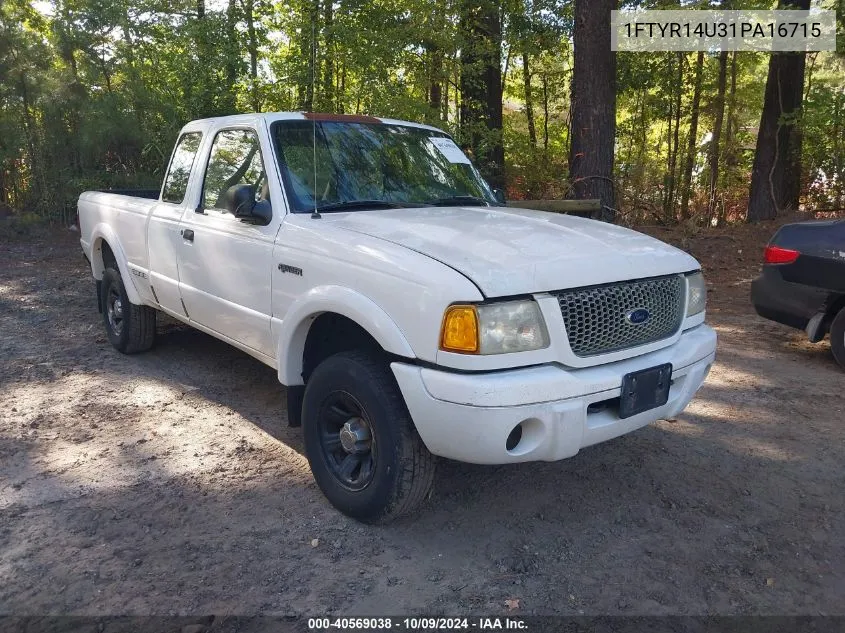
516, 251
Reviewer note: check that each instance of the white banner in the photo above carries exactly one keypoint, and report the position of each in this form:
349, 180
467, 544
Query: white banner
699, 30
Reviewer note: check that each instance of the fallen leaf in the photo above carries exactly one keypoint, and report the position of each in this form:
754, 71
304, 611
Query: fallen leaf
315, 542
512, 603
770, 582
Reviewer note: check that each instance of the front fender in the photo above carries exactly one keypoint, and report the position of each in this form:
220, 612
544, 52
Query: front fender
293, 330
105, 233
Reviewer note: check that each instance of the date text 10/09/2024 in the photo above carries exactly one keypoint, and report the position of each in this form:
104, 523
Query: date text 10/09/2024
417, 624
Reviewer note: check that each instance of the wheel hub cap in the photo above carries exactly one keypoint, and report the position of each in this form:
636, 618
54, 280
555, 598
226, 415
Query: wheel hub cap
114, 308
348, 444
354, 435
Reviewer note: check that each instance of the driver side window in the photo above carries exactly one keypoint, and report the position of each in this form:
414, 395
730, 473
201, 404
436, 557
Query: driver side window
235, 160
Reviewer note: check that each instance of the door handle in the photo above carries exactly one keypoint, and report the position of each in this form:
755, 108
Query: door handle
188, 234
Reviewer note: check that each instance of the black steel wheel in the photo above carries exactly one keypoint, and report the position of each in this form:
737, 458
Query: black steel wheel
130, 328
361, 443
114, 310
346, 438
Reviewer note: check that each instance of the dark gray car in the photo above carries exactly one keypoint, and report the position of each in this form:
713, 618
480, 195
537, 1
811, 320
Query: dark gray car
803, 281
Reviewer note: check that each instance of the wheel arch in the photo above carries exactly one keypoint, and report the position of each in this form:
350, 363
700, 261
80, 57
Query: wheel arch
104, 242
342, 306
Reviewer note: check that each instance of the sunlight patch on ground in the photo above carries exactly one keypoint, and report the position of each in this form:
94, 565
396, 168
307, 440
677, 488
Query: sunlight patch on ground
143, 431
680, 427
727, 376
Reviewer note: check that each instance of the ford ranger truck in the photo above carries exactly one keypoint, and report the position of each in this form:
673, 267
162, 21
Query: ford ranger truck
409, 312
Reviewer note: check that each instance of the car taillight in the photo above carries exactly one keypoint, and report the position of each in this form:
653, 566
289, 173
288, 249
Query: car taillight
778, 255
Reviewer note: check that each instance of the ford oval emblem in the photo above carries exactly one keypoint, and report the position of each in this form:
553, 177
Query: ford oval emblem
638, 316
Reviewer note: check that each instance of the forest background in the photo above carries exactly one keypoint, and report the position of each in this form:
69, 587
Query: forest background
93, 93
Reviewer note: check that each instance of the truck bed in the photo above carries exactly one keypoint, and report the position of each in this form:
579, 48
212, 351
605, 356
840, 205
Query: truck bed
103, 213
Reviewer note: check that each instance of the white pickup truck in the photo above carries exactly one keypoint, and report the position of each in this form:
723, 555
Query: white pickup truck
409, 312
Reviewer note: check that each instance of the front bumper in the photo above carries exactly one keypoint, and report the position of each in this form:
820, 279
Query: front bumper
468, 417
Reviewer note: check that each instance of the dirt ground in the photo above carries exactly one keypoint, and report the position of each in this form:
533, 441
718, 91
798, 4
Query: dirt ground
170, 483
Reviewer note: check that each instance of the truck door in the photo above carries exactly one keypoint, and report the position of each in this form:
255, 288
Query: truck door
225, 264
163, 239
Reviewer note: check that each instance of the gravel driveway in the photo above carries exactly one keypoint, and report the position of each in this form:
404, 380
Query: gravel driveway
170, 483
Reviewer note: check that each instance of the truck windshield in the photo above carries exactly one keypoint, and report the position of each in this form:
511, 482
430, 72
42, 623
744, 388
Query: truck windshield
362, 166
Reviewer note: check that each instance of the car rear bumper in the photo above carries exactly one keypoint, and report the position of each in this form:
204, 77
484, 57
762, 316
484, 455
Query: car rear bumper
786, 302
468, 417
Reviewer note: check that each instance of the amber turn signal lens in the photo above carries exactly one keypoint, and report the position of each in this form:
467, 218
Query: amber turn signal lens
460, 330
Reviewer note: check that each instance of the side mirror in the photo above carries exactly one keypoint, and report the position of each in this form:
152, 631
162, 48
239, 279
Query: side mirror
499, 194
240, 202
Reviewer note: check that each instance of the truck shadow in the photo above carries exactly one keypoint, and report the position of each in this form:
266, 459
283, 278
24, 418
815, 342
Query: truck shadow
230, 378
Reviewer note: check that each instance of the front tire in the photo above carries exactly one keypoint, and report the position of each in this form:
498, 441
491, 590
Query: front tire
360, 441
130, 328
837, 338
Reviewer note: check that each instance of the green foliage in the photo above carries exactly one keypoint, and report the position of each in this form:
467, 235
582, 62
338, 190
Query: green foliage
93, 93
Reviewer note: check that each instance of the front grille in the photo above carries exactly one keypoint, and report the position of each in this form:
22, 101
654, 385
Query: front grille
596, 318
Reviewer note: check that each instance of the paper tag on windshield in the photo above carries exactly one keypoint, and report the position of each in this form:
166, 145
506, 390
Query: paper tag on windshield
449, 149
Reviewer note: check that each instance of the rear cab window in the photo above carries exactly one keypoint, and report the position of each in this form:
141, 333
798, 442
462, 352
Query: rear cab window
176, 181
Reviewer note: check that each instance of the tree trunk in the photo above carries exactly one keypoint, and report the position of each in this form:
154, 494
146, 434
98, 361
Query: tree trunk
729, 131
728, 151
34, 155
434, 59
341, 93
593, 107
529, 99
667, 176
776, 175
674, 143
134, 77
643, 141
232, 55
204, 105
838, 149
308, 52
717, 136
444, 102
675, 139
252, 45
328, 54
545, 115
481, 87
692, 141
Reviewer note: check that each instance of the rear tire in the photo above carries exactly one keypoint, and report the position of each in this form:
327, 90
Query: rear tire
837, 338
130, 328
361, 443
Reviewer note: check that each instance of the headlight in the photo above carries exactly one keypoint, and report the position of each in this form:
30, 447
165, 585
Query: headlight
497, 328
696, 294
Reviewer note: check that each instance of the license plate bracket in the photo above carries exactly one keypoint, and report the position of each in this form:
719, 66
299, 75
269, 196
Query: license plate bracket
645, 389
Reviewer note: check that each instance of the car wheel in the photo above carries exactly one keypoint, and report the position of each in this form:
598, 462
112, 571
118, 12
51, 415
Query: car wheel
361, 443
130, 328
837, 338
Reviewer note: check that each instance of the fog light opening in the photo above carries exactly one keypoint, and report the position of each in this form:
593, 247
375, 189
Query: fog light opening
514, 437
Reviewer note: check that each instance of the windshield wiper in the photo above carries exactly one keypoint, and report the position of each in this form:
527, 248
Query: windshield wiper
459, 200
361, 204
